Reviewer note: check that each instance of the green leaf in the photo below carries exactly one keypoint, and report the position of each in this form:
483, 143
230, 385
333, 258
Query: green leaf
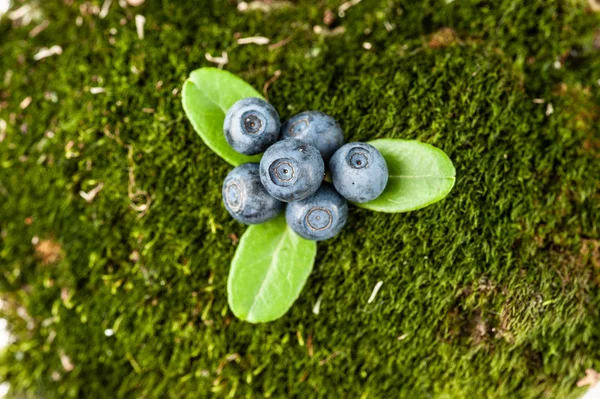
268, 271
207, 95
420, 174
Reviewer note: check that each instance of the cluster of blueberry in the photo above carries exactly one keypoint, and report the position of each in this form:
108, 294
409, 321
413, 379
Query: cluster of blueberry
292, 169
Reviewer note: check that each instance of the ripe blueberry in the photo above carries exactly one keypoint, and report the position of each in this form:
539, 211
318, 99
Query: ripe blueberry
246, 199
359, 172
320, 216
291, 170
316, 128
251, 126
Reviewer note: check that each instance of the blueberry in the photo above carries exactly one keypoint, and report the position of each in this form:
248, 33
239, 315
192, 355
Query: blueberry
251, 126
246, 199
359, 172
291, 170
320, 216
316, 128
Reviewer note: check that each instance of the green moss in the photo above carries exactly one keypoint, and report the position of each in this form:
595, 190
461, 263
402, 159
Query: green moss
492, 292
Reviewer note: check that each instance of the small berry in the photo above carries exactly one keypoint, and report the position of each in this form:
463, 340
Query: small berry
246, 199
291, 170
320, 216
251, 126
359, 172
316, 128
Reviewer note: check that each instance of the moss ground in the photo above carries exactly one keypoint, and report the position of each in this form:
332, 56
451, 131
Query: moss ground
493, 292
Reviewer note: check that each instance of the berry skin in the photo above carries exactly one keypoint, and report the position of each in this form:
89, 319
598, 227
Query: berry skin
316, 128
292, 170
359, 172
251, 126
320, 216
246, 199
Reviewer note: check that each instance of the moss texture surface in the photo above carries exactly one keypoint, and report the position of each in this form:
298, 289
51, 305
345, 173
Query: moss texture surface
493, 292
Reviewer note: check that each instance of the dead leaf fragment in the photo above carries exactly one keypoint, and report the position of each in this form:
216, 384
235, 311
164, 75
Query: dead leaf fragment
47, 52
328, 17
105, 9
591, 249
140, 21
3, 126
592, 377
260, 40
90, 195
442, 38
264, 6
234, 238
220, 61
25, 103
48, 251
39, 29
375, 291
319, 30
66, 362
134, 256
345, 6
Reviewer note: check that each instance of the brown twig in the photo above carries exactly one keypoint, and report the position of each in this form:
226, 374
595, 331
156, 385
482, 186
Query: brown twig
133, 193
38, 29
280, 43
269, 82
330, 357
345, 6
220, 61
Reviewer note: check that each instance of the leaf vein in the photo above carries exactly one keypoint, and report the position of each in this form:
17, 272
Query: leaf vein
270, 269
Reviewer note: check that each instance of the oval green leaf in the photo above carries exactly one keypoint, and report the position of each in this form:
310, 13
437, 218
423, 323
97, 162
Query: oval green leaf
268, 271
420, 174
207, 95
